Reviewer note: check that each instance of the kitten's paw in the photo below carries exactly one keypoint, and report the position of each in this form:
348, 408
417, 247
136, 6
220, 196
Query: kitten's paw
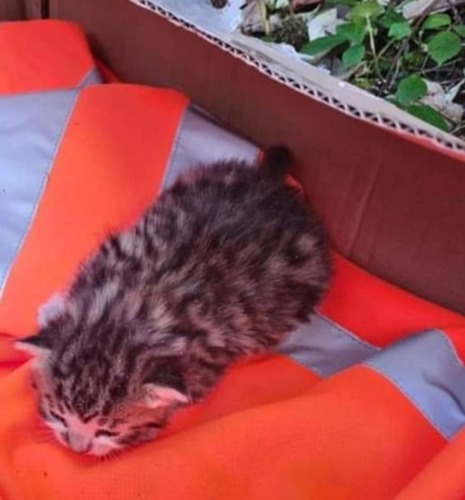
51, 309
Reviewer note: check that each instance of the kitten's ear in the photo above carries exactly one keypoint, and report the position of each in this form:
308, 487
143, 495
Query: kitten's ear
158, 396
38, 346
164, 385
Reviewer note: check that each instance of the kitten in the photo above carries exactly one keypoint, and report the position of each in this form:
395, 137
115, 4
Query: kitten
224, 264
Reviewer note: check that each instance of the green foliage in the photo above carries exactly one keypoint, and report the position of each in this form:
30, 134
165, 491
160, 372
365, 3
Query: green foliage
390, 17
460, 30
429, 115
322, 44
444, 46
353, 56
436, 21
354, 33
411, 89
412, 61
399, 31
393, 57
366, 10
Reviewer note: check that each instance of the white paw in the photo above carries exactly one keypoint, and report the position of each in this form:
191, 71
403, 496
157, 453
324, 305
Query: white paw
51, 309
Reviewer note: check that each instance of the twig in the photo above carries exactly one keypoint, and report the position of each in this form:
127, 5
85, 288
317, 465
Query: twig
264, 16
442, 68
396, 72
458, 129
455, 11
424, 63
395, 65
386, 47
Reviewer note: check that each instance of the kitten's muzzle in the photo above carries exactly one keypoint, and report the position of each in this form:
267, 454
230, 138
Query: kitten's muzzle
78, 443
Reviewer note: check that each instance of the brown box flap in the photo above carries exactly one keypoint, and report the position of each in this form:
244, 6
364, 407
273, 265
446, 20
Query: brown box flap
392, 205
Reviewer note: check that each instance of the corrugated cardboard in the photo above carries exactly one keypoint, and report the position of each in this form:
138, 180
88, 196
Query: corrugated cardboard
11, 10
393, 205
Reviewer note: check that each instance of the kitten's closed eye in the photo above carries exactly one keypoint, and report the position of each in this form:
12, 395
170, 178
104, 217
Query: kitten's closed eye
51, 417
57, 418
105, 433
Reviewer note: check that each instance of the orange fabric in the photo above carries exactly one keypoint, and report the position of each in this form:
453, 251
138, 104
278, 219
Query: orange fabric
113, 128
443, 477
271, 429
42, 55
10, 358
313, 443
378, 312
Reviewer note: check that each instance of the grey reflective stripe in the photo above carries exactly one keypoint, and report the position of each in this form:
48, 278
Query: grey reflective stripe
201, 140
427, 370
325, 347
31, 127
93, 77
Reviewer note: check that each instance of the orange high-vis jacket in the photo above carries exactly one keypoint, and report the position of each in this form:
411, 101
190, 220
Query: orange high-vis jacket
43, 56
366, 401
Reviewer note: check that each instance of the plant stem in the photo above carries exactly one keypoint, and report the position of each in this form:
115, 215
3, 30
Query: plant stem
440, 68
394, 68
264, 16
455, 11
373, 48
423, 64
395, 65
458, 129
386, 48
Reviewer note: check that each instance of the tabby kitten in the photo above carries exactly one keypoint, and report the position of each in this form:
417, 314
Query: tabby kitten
224, 264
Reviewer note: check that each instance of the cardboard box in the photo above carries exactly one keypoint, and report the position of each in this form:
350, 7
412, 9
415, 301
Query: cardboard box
11, 10
393, 204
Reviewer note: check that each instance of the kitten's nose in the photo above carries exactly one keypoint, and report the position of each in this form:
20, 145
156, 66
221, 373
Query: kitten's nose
79, 443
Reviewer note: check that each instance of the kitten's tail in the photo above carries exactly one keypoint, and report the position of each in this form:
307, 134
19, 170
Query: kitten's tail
277, 161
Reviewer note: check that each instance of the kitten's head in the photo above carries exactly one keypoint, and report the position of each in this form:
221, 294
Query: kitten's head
98, 399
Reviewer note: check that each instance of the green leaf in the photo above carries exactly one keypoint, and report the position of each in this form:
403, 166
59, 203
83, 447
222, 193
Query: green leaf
444, 46
352, 56
354, 33
411, 89
436, 21
334, 3
365, 10
460, 30
390, 17
322, 44
429, 115
398, 31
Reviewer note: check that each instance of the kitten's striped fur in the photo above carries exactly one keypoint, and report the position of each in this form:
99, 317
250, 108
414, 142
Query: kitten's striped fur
224, 264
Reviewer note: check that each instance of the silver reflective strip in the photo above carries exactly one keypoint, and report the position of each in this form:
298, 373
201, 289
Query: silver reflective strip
93, 77
324, 347
201, 140
31, 128
427, 370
